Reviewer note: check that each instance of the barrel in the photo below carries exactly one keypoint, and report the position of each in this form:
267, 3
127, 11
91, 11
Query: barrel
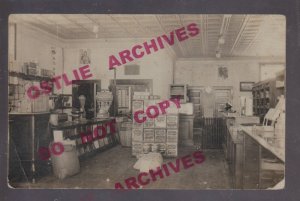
125, 133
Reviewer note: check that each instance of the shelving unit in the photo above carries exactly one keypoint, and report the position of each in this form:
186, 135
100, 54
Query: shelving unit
72, 131
280, 82
17, 93
28, 132
124, 95
265, 94
179, 90
29, 77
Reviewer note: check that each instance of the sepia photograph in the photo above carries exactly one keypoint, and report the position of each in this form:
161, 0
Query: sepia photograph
146, 101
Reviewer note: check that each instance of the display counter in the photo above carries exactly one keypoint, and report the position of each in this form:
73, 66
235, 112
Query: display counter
27, 132
89, 136
253, 162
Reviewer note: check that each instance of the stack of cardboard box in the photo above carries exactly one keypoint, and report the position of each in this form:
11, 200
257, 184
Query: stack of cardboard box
157, 134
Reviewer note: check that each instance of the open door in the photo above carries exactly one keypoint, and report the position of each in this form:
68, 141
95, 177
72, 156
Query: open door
209, 125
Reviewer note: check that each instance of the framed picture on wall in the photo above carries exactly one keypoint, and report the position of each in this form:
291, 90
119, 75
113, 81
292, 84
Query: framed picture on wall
246, 86
85, 56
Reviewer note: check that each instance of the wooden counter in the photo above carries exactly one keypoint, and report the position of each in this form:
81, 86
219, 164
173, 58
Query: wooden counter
278, 152
86, 122
27, 132
75, 129
246, 154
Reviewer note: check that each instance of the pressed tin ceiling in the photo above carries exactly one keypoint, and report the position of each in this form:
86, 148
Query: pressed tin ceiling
241, 35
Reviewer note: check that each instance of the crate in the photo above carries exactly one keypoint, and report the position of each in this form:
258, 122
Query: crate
148, 135
137, 135
160, 121
172, 149
172, 121
160, 135
137, 148
172, 135
137, 124
149, 123
162, 147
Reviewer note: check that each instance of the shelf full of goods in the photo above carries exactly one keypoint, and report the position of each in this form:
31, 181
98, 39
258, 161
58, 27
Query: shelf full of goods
159, 134
19, 82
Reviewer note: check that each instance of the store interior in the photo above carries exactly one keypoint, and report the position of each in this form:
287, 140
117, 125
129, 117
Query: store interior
95, 99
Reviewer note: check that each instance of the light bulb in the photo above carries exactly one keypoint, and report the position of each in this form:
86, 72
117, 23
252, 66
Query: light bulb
221, 40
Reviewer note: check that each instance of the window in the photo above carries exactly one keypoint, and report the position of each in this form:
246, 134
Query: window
268, 71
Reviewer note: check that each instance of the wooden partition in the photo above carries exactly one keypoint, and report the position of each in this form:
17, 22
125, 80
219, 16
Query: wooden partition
213, 131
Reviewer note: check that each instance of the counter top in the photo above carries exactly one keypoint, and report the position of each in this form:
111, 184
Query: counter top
233, 123
27, 113
279, 152
72, 124
233, 131
229, 114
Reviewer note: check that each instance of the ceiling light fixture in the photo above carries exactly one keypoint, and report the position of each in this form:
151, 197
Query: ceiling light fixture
218, 54
221, 40
96, 30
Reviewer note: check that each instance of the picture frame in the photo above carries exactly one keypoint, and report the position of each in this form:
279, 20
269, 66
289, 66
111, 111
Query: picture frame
246, 86
84, 56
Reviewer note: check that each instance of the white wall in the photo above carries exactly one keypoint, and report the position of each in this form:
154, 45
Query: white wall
157, 66
204, 72
35, 45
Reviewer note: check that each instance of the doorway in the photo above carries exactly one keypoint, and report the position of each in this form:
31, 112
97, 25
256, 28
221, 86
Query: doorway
209, 127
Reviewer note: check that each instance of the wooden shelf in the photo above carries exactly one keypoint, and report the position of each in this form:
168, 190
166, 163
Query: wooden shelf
72, 130
265, 94
29, 77
179, 90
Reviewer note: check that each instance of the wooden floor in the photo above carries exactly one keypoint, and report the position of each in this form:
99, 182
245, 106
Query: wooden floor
116, 164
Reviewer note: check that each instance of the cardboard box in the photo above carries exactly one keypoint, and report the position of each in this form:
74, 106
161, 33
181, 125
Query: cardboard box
186, 108
147, 147
172, 121
172, 149
137, 105
160, 135
162, 147
172, 135
137, 148
149, 123
160, 121
148, 135
106, 140
137, 135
